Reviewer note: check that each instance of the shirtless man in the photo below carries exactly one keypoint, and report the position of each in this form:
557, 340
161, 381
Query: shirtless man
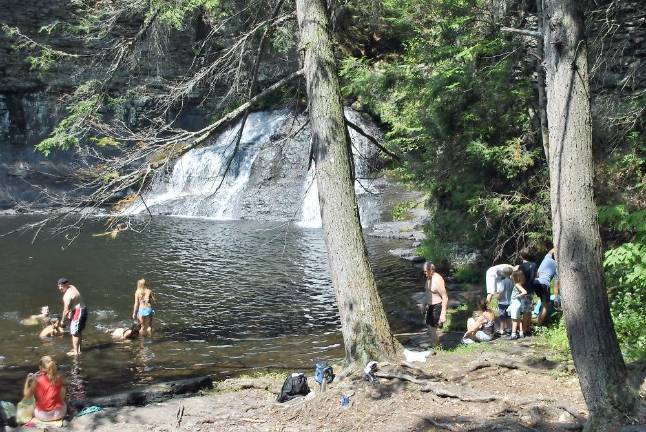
436, 301
73, 309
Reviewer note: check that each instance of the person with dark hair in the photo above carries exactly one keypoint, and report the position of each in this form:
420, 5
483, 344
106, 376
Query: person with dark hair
127, 333
505, 289
528, 268
75, 311
436, 301
547, 272
480, 327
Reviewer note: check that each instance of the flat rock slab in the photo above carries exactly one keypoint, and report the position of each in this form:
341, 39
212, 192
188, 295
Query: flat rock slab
153, 393
407, 254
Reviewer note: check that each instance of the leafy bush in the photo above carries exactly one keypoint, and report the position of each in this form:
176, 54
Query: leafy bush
555, 336
456, 105
400, 211
468, 273
625, 266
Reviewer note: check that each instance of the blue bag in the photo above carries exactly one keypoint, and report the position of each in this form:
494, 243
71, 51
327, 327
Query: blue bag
323, 371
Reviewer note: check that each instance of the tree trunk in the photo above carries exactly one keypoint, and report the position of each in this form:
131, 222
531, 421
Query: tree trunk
366, 333
598, 360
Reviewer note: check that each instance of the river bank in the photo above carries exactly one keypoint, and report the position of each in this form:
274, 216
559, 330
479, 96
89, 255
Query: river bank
501, 386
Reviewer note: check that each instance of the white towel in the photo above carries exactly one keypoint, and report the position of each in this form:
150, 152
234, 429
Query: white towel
416, 356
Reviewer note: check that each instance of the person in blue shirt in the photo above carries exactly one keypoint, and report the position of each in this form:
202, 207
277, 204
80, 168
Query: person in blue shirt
546, 273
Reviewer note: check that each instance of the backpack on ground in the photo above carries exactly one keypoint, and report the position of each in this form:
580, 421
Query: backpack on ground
295, 385
323, 372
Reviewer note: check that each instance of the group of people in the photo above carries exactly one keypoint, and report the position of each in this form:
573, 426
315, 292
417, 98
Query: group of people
46, 386
511, 287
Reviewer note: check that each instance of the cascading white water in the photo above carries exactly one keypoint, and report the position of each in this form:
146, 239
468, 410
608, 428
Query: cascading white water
311, 212
192, 187
363, 152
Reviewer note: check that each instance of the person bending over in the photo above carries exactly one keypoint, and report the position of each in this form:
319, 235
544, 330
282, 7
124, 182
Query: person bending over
494, 276
547, 272
75, 311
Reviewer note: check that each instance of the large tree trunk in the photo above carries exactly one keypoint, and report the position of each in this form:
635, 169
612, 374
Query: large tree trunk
598, 360
366, 333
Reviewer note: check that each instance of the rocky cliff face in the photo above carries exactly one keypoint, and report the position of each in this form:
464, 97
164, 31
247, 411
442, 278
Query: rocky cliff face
30, 108
29, 100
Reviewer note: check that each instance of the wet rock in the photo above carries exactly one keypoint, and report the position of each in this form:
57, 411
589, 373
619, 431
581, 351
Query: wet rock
153, 393
407, 254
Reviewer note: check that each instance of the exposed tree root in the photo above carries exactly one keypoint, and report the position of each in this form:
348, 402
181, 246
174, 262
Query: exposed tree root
504, 364
443, 392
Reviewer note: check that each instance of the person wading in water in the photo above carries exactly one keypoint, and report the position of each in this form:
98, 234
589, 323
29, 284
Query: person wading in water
143, 307
73, 309
436, 301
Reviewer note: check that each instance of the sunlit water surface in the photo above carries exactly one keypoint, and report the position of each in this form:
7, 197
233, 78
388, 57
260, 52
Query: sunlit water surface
231, 297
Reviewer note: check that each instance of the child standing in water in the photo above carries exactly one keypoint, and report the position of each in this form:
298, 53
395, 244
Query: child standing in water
143, 307
516, 307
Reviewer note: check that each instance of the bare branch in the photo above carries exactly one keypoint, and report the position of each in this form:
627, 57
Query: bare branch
530, 33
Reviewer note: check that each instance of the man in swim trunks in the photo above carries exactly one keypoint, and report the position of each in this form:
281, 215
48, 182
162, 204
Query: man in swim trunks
73, 309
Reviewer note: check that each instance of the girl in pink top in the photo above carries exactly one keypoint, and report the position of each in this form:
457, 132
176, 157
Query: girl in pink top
48, 389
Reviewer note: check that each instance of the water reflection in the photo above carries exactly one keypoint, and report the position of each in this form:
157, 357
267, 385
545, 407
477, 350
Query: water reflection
231, 296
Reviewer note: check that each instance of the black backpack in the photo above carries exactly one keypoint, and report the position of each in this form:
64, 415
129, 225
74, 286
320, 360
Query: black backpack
294, 385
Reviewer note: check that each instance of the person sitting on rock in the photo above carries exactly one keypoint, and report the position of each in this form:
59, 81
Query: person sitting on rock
480, 327
48, 390
54, 328
127, 333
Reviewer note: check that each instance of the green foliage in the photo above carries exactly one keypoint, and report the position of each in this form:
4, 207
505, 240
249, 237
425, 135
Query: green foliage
625, 266
555, 336
86, 105
457, 107
468, 273
400, 211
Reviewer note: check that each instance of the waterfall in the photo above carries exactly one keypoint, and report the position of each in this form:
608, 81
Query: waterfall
191, 189
363, 153
311, 212
268, 178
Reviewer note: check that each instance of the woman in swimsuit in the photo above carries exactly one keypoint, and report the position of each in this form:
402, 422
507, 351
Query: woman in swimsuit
143, 307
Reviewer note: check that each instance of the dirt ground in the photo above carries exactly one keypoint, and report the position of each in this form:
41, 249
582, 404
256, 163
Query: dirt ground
500, 386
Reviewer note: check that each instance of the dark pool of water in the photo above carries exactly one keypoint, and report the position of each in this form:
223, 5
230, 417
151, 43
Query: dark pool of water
231, 297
